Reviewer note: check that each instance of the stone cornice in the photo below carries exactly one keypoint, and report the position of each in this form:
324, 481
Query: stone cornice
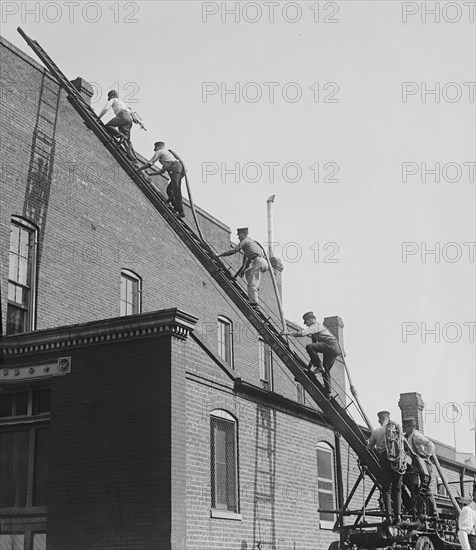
168, 322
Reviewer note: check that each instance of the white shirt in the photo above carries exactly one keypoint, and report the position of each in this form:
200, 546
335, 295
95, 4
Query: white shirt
467, 525
421, 444
117, 106
323, 334
164, 156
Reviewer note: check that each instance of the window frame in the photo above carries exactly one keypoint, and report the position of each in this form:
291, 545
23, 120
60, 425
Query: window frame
265, 363
31, 288
324, 446
218, 416
301, 393
32, 423
228, 341
135, 279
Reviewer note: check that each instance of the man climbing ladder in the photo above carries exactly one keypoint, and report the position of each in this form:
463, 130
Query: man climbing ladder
254, 263
175, 170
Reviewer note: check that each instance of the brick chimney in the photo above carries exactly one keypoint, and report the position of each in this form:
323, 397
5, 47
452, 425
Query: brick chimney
411, 404
336, 326
84, 88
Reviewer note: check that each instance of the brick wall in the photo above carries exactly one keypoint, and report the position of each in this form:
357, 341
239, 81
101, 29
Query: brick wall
98, 222
277, 458
110, 483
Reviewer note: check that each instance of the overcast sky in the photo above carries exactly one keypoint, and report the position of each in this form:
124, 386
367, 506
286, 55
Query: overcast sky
329, 106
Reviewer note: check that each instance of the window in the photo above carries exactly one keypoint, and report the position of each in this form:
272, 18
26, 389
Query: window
326, 483
131, 290
224, 464
301, 393
11, 541
225, 340
265, 366
24, 448
21, 277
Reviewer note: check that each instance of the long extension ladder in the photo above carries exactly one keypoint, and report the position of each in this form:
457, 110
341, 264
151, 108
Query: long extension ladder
336, 414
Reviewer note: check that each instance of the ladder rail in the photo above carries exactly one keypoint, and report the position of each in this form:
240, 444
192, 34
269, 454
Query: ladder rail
336, 414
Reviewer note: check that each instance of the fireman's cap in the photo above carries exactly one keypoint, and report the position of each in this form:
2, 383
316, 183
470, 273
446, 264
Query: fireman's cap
383, 414
242, 230
112, 93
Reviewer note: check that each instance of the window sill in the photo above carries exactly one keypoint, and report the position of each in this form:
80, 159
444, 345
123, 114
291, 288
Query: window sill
224, 514
326, 525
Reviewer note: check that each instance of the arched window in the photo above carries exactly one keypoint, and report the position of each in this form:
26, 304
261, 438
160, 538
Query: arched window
131, 293
326, 483
225, 340
22, 276
223, 461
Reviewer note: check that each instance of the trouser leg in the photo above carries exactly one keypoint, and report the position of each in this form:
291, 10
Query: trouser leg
176, 175
386, 484
397, 493
253, 279
329, 354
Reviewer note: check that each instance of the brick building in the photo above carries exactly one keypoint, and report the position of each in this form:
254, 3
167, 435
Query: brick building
139, 408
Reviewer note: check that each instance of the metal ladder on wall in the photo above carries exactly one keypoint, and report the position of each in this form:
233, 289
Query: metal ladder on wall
336, 414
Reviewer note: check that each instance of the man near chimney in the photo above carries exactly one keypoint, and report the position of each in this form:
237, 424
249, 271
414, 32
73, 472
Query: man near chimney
467, 525
254, 263
323, 341
119, 126
174, 169
391, 478
419, 446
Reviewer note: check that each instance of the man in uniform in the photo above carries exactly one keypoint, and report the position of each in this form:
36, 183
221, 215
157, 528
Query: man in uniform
467, 525
254, 263
175, 170
391, 479
419, 446
323, 341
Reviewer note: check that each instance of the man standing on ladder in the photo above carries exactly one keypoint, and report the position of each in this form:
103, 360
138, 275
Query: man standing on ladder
254, 263
421, 449
175, 170
323, 341
119, 126
391, 478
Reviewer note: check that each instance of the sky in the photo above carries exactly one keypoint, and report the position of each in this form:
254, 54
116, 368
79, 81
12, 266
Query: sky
359, 117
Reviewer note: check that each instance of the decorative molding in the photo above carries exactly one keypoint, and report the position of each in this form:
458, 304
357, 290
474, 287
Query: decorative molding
35, 372
169, 322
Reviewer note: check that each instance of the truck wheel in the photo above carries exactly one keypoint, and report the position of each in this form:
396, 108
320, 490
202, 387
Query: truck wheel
334, 545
